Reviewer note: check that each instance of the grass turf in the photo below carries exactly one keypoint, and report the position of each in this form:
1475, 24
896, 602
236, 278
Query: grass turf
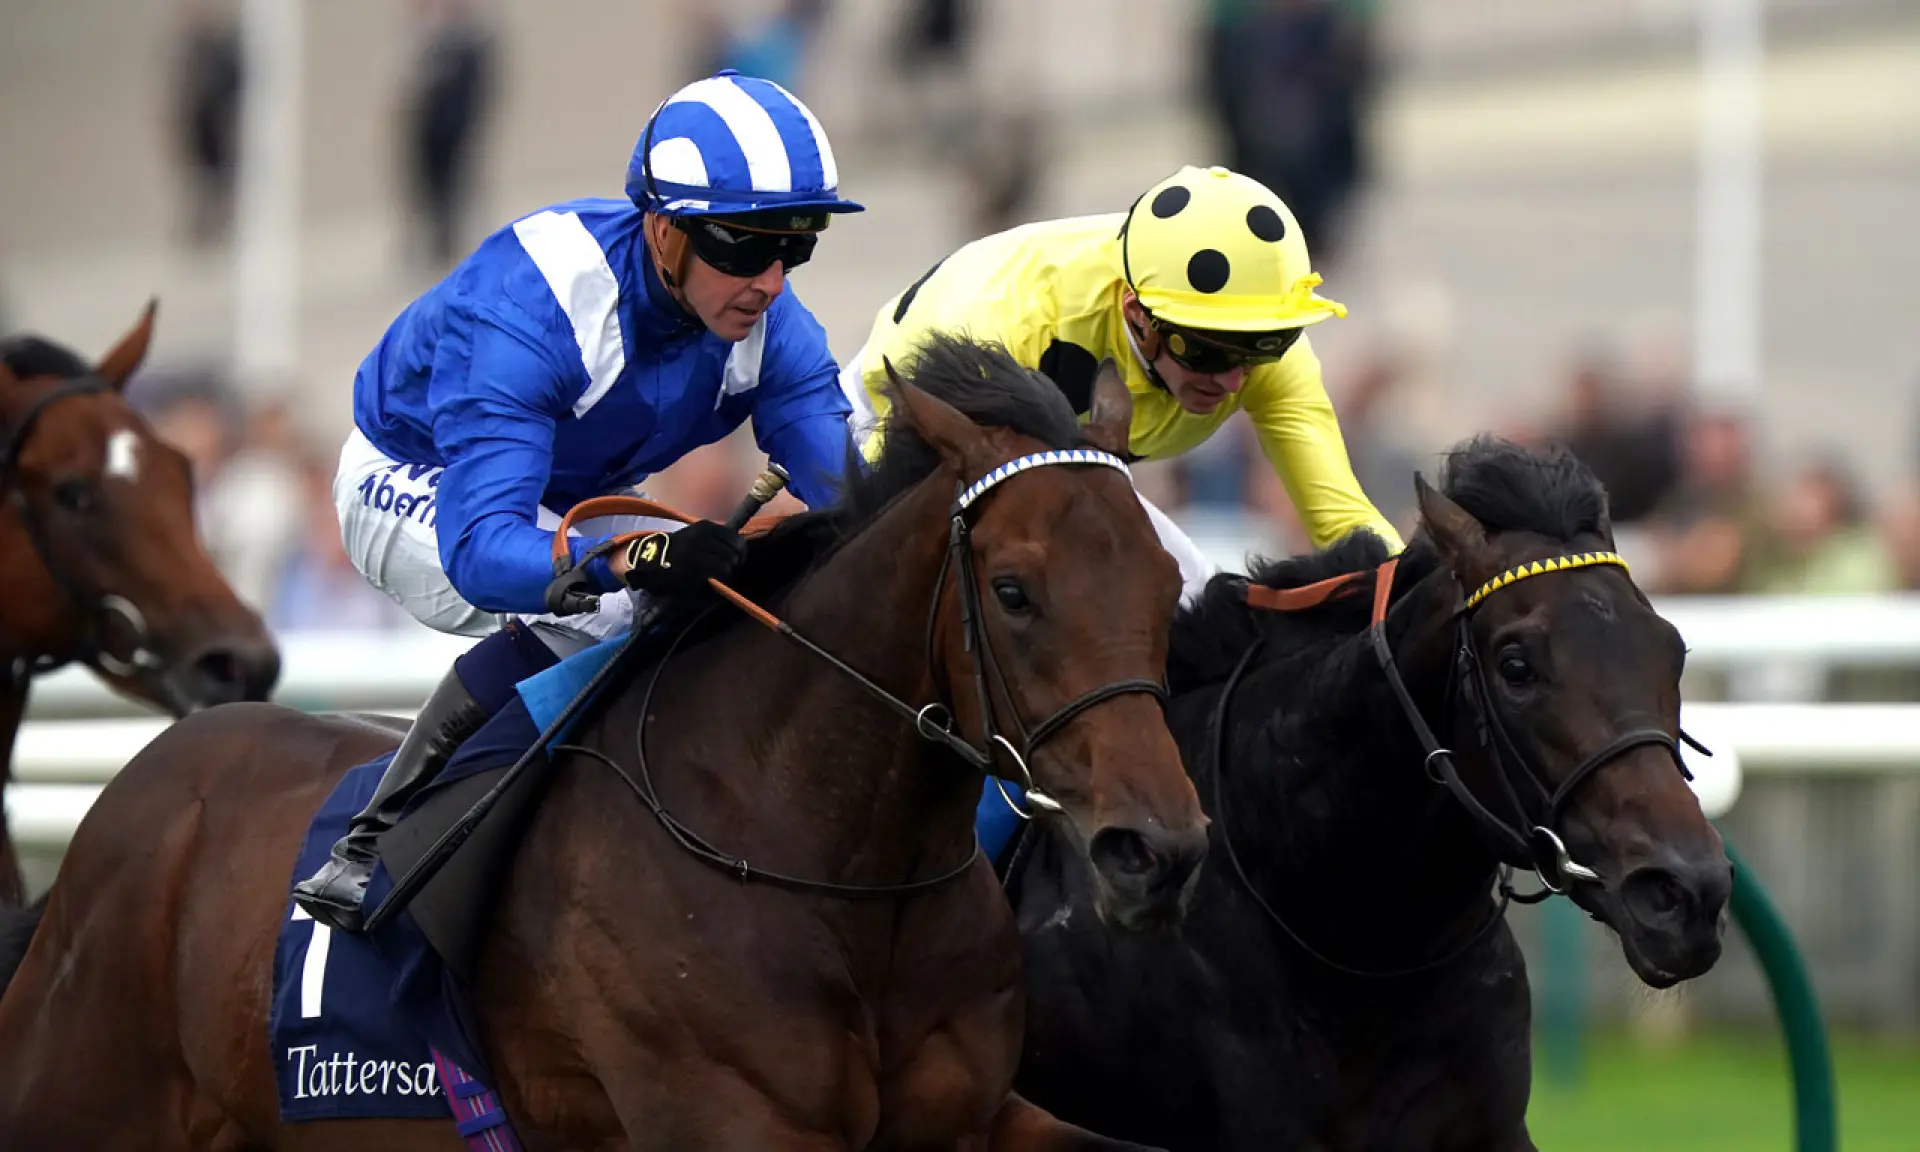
1722, 1093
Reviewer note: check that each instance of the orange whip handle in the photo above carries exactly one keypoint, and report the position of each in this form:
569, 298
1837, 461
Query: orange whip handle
765, 488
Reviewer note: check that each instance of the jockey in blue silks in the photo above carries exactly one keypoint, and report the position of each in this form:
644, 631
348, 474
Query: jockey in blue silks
574, 353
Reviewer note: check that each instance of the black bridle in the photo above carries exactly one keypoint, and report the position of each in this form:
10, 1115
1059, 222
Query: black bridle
934, 722
98, 611
980, 644
1528, 838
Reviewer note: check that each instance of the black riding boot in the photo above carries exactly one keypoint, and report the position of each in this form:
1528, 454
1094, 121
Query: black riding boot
333, 894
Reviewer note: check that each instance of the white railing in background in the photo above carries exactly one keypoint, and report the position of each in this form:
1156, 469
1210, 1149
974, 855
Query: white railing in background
79, 734
384, 672
60, 765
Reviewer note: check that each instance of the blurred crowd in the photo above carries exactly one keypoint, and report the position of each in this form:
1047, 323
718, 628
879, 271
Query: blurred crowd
1288, 83
1697, 506
442, 111
1708, 511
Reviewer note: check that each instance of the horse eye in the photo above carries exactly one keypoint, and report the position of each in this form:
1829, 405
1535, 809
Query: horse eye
1514, 668
1012, 597
73, 494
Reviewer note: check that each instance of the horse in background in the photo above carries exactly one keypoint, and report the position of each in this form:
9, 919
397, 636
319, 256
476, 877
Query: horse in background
1346, 979
100, 563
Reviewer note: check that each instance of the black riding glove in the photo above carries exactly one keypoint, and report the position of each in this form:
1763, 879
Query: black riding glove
672, 563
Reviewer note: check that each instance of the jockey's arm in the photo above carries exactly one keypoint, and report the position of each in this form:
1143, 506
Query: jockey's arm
1300, 435
799, 412
495, 405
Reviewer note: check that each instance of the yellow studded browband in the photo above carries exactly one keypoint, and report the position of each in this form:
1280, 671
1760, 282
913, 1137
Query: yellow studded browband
1537, 567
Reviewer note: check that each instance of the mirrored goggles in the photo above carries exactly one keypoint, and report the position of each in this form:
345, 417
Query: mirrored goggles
1213, 353
734, 249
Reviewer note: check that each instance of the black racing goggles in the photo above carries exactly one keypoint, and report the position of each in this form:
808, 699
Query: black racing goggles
1213, 353
737, 248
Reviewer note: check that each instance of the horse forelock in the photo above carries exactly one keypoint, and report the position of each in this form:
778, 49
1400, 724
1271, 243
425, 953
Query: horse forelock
1510, 487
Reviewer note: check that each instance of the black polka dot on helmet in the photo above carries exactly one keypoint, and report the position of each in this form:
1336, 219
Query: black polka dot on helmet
1210, 250
1208, 270
1265, 223
1170, 201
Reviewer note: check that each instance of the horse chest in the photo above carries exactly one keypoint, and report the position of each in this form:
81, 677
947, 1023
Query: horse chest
947, 1028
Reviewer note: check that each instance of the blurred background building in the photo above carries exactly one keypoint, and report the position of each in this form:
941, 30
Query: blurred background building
1642, 227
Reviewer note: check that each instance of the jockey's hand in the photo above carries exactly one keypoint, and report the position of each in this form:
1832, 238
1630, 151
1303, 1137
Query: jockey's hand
671, 563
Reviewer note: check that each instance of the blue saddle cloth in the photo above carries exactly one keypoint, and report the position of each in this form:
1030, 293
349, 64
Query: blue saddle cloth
357, 1019
339, 1049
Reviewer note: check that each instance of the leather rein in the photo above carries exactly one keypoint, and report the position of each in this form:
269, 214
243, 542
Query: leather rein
933, 722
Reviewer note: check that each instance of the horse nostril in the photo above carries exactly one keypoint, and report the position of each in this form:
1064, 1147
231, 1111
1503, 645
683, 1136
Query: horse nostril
219, 672
1653, 895
1124, 852
223, 674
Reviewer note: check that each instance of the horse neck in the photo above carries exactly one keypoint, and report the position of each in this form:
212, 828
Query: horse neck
820, 767
35, 615
1332, 810
24, 637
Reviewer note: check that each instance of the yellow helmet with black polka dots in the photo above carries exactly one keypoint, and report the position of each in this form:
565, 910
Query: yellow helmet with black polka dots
1212, 250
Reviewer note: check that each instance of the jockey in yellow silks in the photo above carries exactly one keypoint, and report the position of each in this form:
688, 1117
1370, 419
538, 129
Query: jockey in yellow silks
1201, 293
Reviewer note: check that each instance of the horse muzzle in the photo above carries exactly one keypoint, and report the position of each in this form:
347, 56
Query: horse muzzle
1671, 915
1144, 878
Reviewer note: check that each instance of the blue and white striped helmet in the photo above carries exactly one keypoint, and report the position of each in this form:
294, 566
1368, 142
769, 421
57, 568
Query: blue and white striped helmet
731, 144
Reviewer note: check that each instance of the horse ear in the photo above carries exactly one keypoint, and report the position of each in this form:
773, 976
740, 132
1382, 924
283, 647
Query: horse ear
1455, 533
957, 439
1110, 422
1606, 521
117, 366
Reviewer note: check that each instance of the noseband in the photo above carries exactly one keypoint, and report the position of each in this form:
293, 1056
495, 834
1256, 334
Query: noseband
97, 609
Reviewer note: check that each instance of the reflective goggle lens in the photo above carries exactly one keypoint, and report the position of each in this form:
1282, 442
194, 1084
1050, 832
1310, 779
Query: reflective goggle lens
735, 251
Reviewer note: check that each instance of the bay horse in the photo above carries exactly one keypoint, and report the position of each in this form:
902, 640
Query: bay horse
632, 995
1346, 978
99, 560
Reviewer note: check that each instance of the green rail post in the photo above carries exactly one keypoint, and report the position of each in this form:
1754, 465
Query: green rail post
1562, 984
1815, 1118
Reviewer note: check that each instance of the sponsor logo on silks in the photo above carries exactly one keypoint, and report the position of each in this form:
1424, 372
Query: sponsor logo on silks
649, 549
379, 492
345, 1074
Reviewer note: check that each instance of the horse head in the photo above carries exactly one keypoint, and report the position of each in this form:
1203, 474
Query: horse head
1566, 718
1066, 599
103, 563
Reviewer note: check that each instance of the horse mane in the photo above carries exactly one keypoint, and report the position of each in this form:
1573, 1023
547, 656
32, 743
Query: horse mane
984, 382
28, 357
1505, 486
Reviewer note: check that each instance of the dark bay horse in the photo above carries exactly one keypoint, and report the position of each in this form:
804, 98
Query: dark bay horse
632, 995
99, 560
1345, 978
